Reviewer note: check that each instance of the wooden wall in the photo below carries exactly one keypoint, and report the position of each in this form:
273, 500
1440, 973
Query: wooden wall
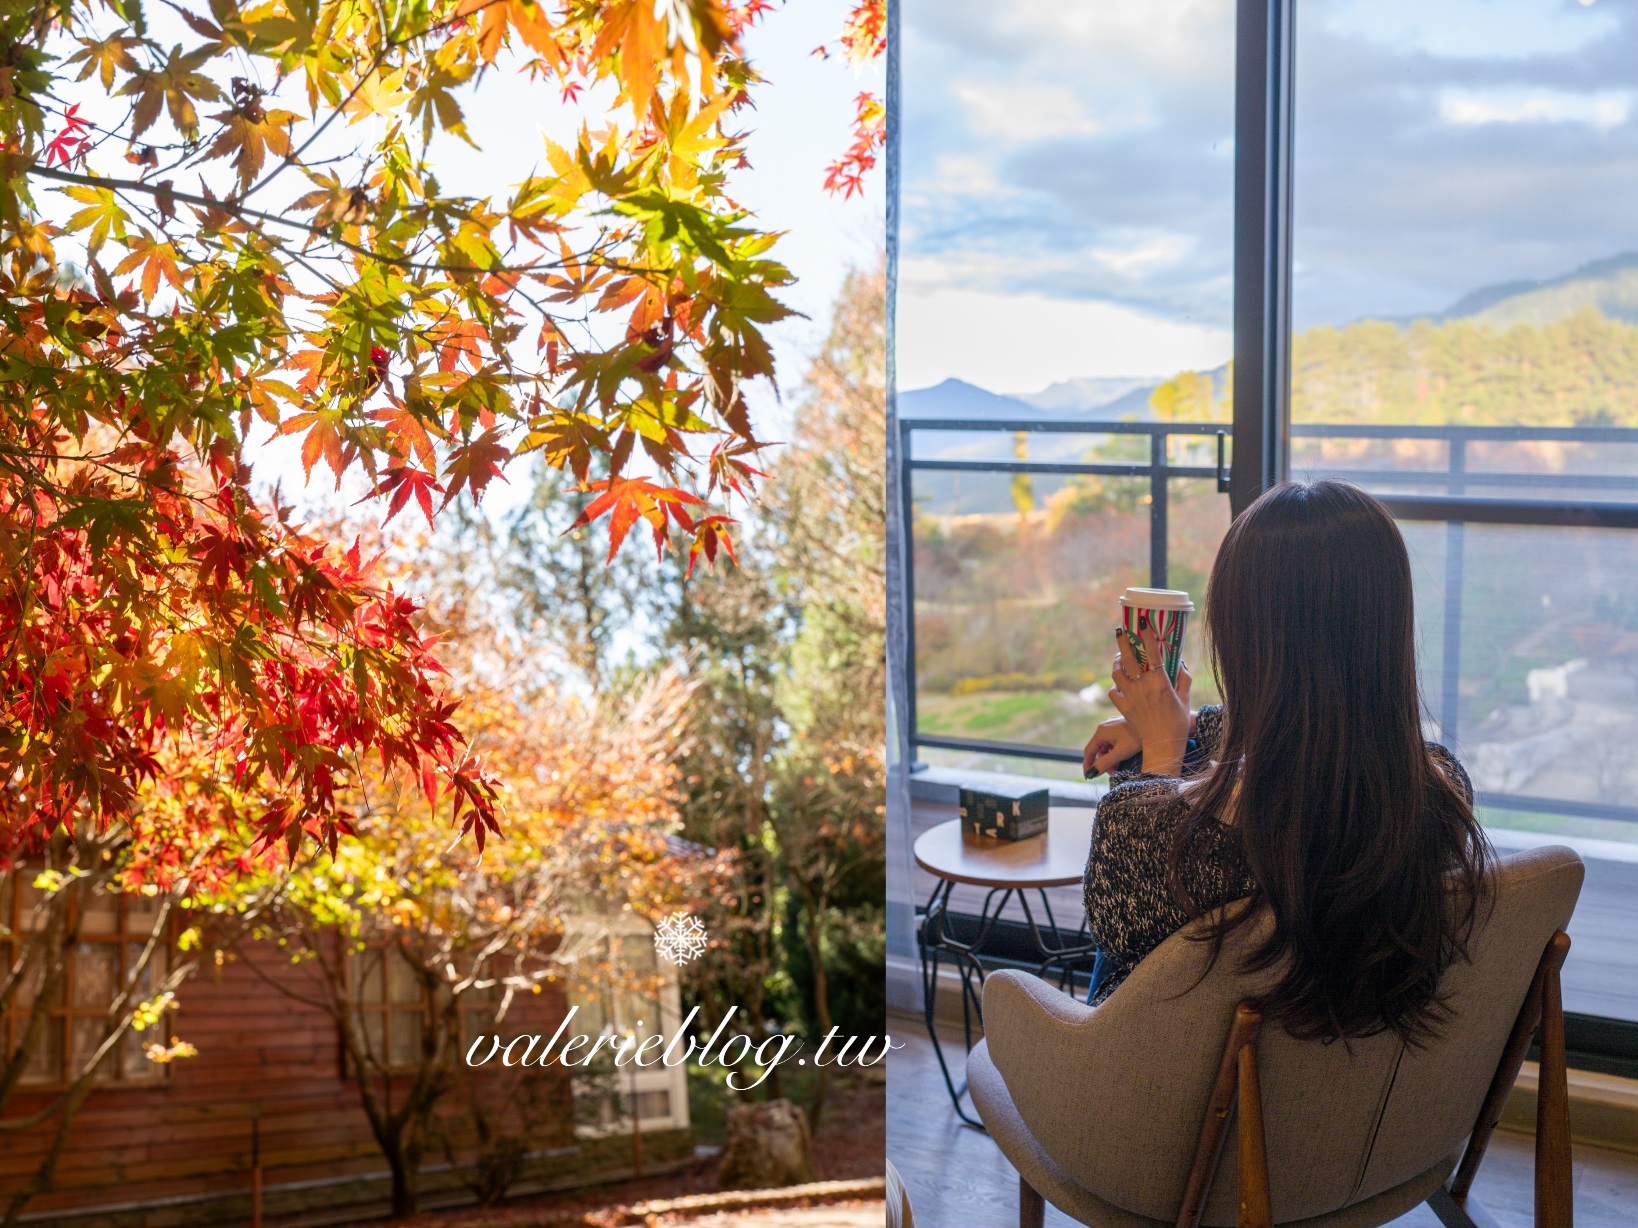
183, 1149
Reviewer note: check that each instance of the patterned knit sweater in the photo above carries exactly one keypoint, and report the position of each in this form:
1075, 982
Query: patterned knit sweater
1129, 903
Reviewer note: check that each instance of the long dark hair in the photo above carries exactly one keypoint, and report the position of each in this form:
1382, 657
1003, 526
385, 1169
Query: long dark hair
1366, 852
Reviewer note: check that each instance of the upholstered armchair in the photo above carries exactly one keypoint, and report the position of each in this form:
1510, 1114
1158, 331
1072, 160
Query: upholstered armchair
1118, 1114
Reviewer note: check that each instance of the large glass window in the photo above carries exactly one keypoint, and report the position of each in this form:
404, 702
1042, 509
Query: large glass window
1065, 258
1464, 343
1466, 307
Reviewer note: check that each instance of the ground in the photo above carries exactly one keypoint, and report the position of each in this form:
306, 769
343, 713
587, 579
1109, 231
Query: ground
850, 1143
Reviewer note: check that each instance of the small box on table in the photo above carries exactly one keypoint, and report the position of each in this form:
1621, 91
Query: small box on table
1004, 816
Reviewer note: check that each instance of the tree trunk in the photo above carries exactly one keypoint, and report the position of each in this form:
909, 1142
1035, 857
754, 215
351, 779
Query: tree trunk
821, 1004
403, 1183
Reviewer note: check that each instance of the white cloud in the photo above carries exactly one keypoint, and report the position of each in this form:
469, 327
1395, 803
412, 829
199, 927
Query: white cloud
1025, 111
1144, 255
1607, 109
958, 175
1468, 29
1023, 342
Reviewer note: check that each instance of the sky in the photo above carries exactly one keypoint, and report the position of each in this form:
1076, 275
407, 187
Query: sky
1068, 171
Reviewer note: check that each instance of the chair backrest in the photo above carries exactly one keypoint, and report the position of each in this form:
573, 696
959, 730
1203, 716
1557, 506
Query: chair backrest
1115, 1094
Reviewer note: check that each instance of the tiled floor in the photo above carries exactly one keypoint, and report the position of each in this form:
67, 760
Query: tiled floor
958, 1179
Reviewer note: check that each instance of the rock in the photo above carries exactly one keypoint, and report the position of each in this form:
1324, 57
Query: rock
768, 1147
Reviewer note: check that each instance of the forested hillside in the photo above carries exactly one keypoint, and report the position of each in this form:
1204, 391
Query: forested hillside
1580, 370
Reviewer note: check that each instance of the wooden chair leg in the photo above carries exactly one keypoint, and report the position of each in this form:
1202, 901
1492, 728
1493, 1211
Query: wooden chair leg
1468, 1213
1031, 1206
1555, 1201
1255, 1211
1507, 1070
1214, 1129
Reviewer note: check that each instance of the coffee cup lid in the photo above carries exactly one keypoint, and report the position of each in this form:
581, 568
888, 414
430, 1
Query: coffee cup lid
1157, 599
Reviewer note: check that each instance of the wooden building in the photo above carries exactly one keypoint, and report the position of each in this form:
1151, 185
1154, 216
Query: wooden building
180, 1143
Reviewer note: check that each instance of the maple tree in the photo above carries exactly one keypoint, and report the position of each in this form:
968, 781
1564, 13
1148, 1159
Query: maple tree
863, 40
221, 222
587, 790
319, 281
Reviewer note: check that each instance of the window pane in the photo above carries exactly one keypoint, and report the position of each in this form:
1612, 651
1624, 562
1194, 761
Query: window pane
1198, 517
1067, 201
30, 899
653, 1104
637, 954
368, 976
1066, 256
144, 988
30, 988
95, 973
375, 1034
1015, 610
406, 1038
46, 1062
592, 1016
403, 984
88, 1033
134, 1065
141, 913
1466, 303
99, 913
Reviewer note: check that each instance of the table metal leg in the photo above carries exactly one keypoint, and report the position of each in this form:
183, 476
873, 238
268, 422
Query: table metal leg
932, 943
937, 939
1059, 952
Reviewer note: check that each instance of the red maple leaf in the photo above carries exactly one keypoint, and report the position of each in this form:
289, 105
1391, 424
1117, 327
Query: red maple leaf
710, 533
628, 499
475, 464
69, 144
403, 482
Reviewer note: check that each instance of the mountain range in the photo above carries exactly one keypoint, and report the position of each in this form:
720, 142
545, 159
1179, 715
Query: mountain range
1610, 285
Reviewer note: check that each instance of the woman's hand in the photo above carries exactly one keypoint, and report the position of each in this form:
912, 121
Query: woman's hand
1112, 744
1156, 713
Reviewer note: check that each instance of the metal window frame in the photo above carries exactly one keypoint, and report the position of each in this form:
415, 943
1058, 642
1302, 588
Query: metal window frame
1265, 35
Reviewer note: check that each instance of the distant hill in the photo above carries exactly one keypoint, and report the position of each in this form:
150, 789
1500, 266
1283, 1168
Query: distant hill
1111, 396
958, 399
1610, 285
1106, 399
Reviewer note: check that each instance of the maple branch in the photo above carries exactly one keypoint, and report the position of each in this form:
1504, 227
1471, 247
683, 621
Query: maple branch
230, 205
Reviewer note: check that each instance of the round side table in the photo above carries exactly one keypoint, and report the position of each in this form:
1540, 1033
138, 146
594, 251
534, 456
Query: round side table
1008, 868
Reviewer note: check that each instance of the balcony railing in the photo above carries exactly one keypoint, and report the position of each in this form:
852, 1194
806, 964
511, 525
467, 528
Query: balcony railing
1454, 494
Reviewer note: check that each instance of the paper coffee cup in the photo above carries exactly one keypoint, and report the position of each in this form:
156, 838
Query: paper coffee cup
1166, 611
